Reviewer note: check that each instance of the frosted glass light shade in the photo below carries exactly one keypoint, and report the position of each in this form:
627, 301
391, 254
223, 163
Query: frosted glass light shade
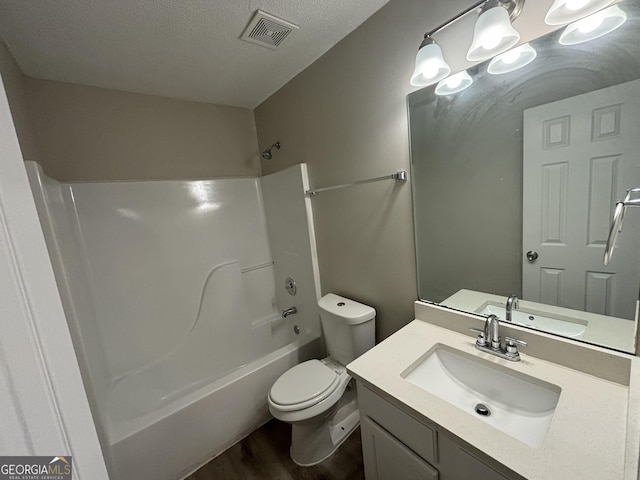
512, 60
493, 34
430, 66
593, 26
567, 11
454, 84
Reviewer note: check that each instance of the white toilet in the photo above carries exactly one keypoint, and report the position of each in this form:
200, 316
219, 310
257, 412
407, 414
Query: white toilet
317, 396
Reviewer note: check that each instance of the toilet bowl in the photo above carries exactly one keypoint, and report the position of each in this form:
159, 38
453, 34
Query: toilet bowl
318, 397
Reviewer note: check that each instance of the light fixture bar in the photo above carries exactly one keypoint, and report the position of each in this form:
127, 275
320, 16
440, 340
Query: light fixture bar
431, 67
455, 19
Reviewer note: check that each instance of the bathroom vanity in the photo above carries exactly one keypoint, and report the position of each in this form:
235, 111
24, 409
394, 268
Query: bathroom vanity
400, 445
501, 211
589, 429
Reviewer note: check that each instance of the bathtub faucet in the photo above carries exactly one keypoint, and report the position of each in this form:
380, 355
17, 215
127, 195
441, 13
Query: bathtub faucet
289, 311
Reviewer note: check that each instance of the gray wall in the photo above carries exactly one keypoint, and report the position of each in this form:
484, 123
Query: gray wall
85, 133
89, 133
346, 116
467, 164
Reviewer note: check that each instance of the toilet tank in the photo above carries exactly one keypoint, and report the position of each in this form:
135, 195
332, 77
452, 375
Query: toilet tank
348, 327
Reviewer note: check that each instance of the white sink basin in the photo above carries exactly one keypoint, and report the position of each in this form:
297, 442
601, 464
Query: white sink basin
560, 326
518, 405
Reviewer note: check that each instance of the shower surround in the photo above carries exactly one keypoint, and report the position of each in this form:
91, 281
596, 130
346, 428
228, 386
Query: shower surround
173, 291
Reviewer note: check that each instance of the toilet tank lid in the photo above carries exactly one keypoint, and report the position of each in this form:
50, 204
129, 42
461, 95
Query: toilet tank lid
352, 311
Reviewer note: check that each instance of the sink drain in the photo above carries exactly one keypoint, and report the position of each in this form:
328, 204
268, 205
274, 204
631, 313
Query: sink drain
482, 409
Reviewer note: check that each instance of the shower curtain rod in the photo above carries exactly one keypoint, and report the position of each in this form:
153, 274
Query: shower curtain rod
400, 175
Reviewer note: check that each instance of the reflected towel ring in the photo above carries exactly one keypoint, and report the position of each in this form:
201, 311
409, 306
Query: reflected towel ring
632, 199
614, 231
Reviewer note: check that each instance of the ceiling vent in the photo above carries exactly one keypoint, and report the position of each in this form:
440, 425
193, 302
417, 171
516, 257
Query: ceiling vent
266, 30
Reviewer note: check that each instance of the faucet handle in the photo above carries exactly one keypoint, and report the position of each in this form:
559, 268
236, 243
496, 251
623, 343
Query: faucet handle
514, 341
511, 346
481, 340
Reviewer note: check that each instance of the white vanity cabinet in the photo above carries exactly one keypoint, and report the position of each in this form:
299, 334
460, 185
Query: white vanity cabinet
398, 446
386, 458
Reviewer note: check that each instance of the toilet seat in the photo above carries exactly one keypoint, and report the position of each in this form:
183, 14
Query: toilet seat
304, 385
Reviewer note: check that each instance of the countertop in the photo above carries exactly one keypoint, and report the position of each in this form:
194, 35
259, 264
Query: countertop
590, 432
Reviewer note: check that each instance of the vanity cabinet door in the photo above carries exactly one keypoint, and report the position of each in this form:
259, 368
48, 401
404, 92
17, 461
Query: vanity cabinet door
457, 463
386, 458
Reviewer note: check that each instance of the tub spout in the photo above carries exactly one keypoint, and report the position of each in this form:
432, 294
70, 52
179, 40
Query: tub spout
289, 311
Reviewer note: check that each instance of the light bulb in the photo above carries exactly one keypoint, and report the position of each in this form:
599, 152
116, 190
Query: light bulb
576, 4
589, 24
430, 65
454, 84
594, 26
567, 11
490, 40
512, 60
511, 56
493, 34
430, 70
454, 81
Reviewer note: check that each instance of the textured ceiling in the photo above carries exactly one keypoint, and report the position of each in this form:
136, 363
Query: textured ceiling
187, 49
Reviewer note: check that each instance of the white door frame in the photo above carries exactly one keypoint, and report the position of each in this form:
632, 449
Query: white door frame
43, 405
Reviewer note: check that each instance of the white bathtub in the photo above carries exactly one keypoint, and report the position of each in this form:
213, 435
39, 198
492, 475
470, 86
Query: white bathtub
181, 435
173, 292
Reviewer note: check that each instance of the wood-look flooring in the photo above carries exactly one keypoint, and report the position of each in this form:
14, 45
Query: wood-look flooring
265, 455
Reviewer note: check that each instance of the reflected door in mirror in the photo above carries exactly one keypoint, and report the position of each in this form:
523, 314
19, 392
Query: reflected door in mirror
580, 156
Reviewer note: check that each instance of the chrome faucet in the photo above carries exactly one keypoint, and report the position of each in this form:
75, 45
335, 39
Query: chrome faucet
289, 311
494, 331
489, 340
512, 302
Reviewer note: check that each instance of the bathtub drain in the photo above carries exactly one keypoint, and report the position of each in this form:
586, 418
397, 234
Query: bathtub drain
296, 329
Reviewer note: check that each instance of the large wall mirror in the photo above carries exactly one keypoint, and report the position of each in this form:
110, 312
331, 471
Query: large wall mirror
515, 180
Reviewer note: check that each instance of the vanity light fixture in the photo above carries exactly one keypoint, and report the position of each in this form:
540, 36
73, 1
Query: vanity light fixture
454, 84
493, 33
512, 60
567, 11
430, 65
594, 26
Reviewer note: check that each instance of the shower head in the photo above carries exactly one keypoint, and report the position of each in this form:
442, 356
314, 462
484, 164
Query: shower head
266, 153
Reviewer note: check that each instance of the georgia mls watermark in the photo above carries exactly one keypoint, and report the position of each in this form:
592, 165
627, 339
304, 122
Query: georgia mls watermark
35, 468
